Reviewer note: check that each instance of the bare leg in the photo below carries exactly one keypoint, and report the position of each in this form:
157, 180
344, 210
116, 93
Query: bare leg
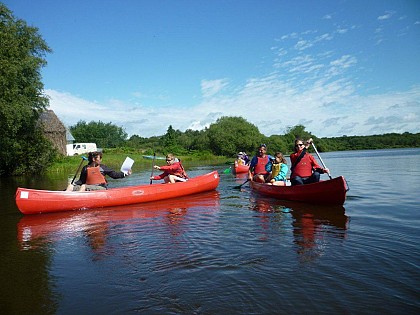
279, 183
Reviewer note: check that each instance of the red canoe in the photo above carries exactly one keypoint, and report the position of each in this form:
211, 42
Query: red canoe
328, 192
240, 168
32, 201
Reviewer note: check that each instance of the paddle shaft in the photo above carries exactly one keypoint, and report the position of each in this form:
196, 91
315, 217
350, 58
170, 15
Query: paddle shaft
78, 169
153, 164
240, 186
322, 162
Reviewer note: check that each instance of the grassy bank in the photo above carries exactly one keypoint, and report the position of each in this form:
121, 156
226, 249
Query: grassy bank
69, 164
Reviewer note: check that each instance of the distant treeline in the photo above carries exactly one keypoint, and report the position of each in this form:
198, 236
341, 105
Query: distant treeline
228, 136
385, 141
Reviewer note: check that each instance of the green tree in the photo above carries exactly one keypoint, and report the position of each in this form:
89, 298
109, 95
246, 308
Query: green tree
170, 141
229, 135
277, 143
296, 132
24, 149
105, 135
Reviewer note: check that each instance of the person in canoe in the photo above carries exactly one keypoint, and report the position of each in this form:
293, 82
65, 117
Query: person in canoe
92, 176
277, 168
172, 172
305, 169
240, 159
257, 170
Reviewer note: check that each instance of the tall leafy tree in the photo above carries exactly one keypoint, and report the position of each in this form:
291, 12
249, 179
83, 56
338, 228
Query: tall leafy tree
24, 149
105, 135
229, 135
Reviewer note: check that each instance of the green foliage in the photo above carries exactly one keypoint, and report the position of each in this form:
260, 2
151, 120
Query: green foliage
277, 143
170, 142
229, 135
23, 147
386, 141
105, 135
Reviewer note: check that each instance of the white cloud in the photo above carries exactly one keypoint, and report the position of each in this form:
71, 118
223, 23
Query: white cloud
212, 87
272, 105
386, 16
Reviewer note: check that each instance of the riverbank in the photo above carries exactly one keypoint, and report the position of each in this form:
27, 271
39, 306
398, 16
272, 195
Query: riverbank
114, 160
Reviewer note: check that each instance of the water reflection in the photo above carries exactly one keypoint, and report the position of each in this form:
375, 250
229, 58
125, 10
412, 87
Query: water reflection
310, 224
34, 231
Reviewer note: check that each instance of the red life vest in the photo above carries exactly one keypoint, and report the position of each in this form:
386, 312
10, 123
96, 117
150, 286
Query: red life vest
94, 176
180, 172
259, 168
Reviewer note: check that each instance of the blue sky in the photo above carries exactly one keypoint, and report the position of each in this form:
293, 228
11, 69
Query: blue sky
337, 67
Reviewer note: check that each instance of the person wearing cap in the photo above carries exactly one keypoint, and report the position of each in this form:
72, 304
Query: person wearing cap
245, 158
257, 171
240, 159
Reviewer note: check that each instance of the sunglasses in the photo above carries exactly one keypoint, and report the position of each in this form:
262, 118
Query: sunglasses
300, 144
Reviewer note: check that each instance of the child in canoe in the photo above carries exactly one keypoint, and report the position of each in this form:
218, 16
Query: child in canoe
277, 167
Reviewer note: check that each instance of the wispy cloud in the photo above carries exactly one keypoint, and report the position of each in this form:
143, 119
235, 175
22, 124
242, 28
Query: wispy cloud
212, 87
386, 16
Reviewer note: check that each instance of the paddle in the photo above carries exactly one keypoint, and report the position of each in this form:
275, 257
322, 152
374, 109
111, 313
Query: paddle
227, 171
84, 158
240, 186
153, 164
322, 162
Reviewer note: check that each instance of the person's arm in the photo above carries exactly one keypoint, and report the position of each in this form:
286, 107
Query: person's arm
252, 166
83, 176
158, 177
170, 168
316, 166
283, 171
111, 173
269, 166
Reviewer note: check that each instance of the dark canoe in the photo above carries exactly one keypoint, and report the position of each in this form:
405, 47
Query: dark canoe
328, 192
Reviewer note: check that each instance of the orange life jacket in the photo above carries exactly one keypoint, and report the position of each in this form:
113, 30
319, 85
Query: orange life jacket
94, 176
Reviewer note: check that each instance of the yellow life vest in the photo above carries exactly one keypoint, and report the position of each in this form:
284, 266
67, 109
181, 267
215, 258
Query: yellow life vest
275, 169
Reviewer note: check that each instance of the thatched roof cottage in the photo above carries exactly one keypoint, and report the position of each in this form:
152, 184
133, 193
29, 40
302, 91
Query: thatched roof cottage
54, 130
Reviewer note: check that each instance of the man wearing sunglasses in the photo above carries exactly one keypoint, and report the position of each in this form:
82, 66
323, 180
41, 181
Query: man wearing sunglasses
305, 169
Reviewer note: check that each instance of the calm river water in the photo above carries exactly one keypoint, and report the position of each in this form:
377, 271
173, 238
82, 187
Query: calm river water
223, 252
